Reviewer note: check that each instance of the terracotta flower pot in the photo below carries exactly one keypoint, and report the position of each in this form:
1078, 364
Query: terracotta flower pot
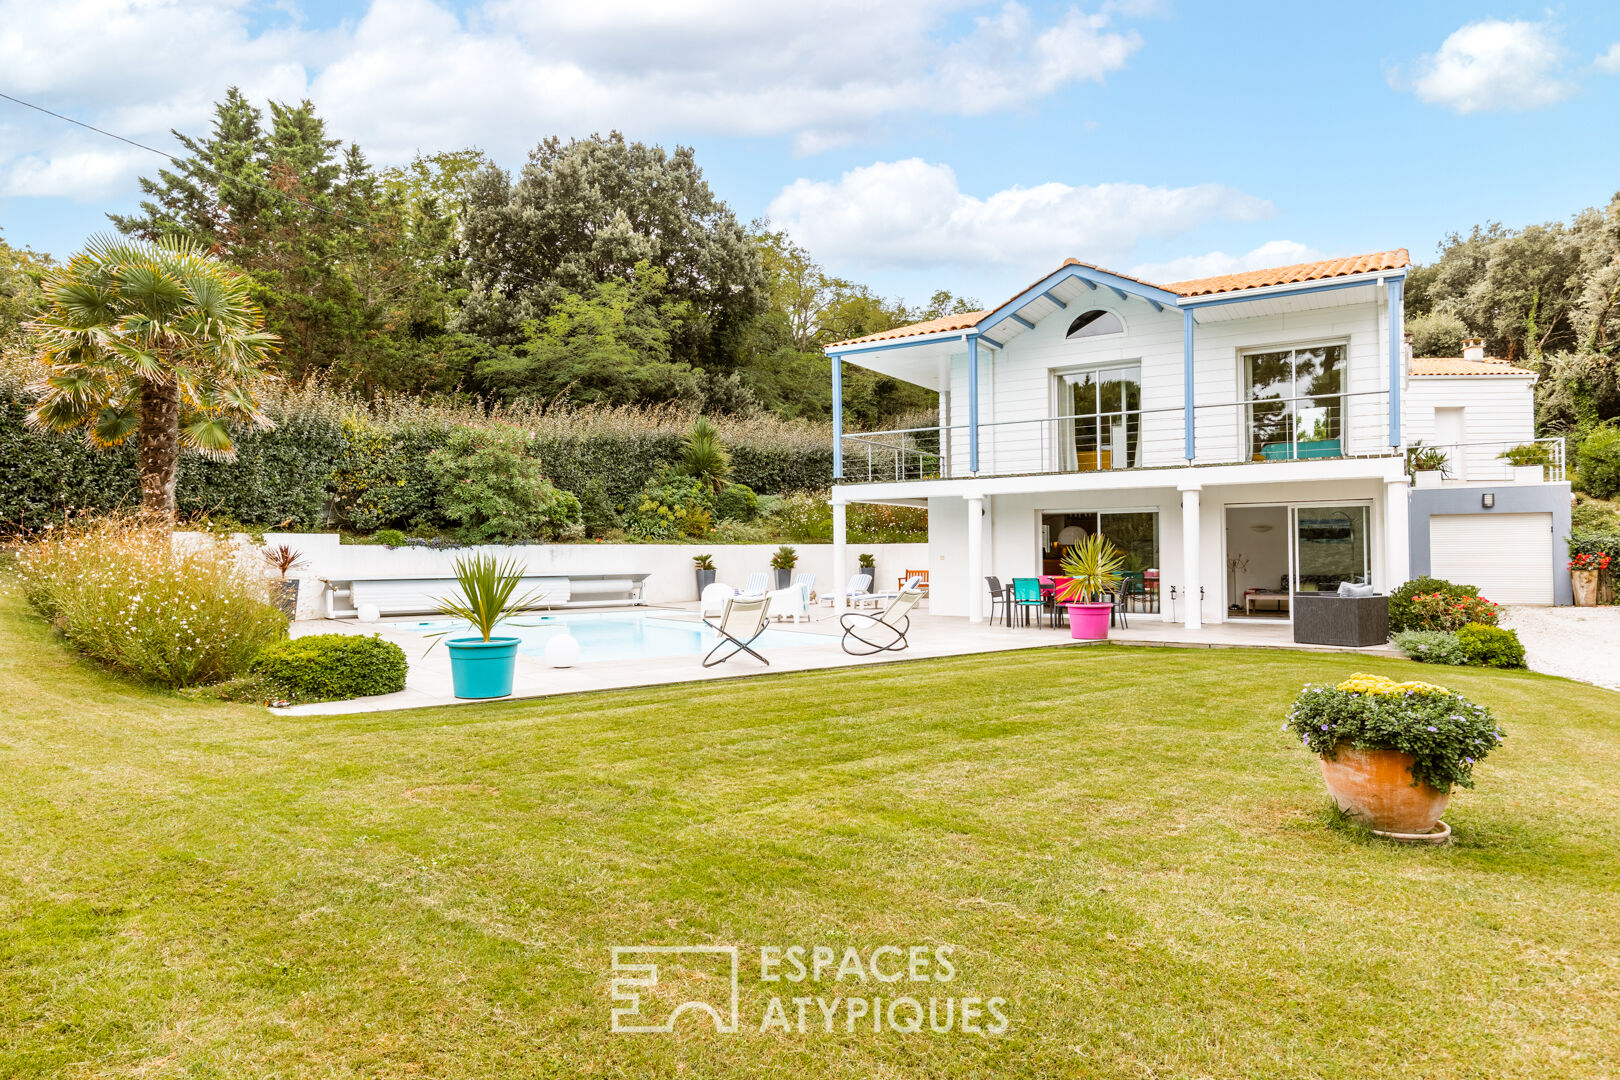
1376, 787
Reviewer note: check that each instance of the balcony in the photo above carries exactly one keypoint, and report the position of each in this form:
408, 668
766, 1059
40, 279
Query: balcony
1349, 425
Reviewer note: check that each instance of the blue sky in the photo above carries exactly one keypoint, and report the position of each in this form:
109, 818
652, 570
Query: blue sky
912, 145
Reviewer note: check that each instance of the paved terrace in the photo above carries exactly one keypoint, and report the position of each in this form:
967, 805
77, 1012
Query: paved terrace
428, 681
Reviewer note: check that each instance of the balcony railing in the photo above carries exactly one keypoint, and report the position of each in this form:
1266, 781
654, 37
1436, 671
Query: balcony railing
1490, 461
1272, 429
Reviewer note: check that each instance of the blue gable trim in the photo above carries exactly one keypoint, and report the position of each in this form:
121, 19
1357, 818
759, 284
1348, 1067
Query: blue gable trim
1121, 286
1245, 296
1061, 305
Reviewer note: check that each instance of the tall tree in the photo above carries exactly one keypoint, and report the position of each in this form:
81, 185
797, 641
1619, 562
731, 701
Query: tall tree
21, 272
159, 340
587, 211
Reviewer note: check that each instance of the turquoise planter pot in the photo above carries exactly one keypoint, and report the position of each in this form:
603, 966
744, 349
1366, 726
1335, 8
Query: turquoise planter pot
482, 669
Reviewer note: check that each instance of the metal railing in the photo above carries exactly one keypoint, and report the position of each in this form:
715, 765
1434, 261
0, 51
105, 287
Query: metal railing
1489, 461
1271, 429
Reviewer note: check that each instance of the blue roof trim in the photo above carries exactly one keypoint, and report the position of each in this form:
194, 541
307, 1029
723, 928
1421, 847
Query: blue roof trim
1123, 287
885, 346
1025, 323
1061, 305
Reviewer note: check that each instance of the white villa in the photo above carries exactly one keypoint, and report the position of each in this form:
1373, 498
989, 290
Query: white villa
1242, 438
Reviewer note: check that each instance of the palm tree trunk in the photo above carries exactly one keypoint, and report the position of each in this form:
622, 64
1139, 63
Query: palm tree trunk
159, 456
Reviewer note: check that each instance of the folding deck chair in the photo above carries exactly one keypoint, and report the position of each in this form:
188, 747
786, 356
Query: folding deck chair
866, 634
745, 618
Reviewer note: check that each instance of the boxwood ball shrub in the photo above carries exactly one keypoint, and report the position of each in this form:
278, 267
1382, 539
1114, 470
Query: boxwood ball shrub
736, 502
1446, 734
1431, 646
1491, 646
1401, 616
332, 667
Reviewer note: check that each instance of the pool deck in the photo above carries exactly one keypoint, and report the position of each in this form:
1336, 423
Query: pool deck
428, 681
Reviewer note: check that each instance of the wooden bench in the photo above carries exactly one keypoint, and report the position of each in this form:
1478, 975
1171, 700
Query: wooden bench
420, 596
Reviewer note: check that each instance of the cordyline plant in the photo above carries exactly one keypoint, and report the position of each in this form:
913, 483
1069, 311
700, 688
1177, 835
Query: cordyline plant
486, 593
159, 340
1094, 567
283, 557
1446, 734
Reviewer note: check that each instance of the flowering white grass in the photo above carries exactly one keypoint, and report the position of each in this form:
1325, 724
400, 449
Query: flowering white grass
121, 593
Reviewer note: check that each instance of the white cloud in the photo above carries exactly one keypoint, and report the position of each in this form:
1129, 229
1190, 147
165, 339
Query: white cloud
1493, 64
85, 175
1609, 62
1272, 253
415, 74
913, 213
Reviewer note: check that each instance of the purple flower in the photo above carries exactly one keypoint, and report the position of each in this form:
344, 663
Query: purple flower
1324, 727
1433, 728
1469, 760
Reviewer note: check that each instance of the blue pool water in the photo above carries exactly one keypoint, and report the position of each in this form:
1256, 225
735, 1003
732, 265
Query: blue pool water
605, 636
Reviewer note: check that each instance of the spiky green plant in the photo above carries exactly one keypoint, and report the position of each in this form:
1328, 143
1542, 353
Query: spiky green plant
1093, 567
704, 455
160, 339
487, 586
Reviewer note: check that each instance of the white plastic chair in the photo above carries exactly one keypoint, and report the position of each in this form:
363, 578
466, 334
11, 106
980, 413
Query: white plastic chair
792, 602
713, 600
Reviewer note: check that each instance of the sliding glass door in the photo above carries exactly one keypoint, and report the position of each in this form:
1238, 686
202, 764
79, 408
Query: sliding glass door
1331, 546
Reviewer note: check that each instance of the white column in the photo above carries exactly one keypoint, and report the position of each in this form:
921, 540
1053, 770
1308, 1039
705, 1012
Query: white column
975, 558
1190, 529
1397, 535
840, 554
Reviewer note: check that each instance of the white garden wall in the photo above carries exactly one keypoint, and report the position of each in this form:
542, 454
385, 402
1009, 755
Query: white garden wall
668, 566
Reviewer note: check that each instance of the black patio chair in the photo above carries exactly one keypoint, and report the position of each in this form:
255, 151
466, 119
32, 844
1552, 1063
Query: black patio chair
999, 595
745, 618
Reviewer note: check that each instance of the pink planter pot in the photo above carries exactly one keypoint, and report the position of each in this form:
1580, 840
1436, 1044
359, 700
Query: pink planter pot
1089, 622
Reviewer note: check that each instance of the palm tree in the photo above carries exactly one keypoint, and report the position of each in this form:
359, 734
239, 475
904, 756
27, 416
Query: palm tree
158, 340
704, 455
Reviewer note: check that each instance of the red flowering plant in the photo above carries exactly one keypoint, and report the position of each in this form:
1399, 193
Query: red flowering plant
1437, 611
1588, 560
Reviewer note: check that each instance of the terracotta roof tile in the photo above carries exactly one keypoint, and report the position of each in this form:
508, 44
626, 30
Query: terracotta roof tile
1454, 365
1288, 275
1251, 279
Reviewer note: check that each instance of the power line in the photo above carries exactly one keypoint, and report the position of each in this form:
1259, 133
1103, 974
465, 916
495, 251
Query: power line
174, 160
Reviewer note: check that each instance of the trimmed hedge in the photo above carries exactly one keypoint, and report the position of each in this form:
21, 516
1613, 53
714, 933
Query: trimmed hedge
1491, 646
332, 667
334, 458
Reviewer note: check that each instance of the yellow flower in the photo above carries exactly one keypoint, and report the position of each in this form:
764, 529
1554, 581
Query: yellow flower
1383, 686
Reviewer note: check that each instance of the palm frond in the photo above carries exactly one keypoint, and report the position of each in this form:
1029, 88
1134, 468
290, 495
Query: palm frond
208, 435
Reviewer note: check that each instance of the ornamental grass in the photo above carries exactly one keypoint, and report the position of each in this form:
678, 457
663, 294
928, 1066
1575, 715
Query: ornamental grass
178, 613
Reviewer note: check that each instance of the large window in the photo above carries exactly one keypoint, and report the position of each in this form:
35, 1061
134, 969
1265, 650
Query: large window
1295, 403
1104, 410
1134, 532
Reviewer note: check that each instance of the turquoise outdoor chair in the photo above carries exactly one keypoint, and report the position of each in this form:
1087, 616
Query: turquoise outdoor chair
1027, 595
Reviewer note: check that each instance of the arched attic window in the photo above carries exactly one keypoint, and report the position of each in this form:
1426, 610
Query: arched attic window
1095, 323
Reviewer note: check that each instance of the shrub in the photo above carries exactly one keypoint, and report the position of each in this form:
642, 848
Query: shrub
391, 538
1528, 454
598, 515
1431, 646
672, 505
1445, 733
1437, 611
383, 476
127, 596
1491, 646
1400, 601
491, 491
736, 502
1598, 472
704, 456
332, 667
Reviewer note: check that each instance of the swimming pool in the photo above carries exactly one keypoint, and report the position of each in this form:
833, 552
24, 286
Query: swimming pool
605, 636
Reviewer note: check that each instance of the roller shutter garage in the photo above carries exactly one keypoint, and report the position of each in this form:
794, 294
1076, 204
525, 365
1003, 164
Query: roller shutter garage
1509, 556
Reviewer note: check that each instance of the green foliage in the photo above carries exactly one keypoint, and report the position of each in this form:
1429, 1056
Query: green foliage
1431, 646
1420, 458
1490, 646
867, 562
1598, 462
598, 515
1528, 454
1439, 611
1437, 333
491, 491
1094, 568
123, 594
703, 562
1594, 529
784, 558
736, 502
704, 456
390, 538
382, 476
1401, 616
1445, 733
487, 593
332, 667
671, 506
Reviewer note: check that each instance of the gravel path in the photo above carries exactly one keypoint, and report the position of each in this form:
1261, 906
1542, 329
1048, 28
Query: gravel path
1577, 643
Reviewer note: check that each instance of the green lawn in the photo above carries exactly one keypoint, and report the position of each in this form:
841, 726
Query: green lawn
1121, 842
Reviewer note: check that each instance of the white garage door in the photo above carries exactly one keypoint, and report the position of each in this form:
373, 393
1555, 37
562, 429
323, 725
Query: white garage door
1509, 556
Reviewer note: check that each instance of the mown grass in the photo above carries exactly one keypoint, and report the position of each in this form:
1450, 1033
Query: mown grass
1121, 842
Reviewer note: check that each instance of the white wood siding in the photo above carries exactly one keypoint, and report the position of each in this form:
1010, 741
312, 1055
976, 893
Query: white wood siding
1016, 383
1499, 411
